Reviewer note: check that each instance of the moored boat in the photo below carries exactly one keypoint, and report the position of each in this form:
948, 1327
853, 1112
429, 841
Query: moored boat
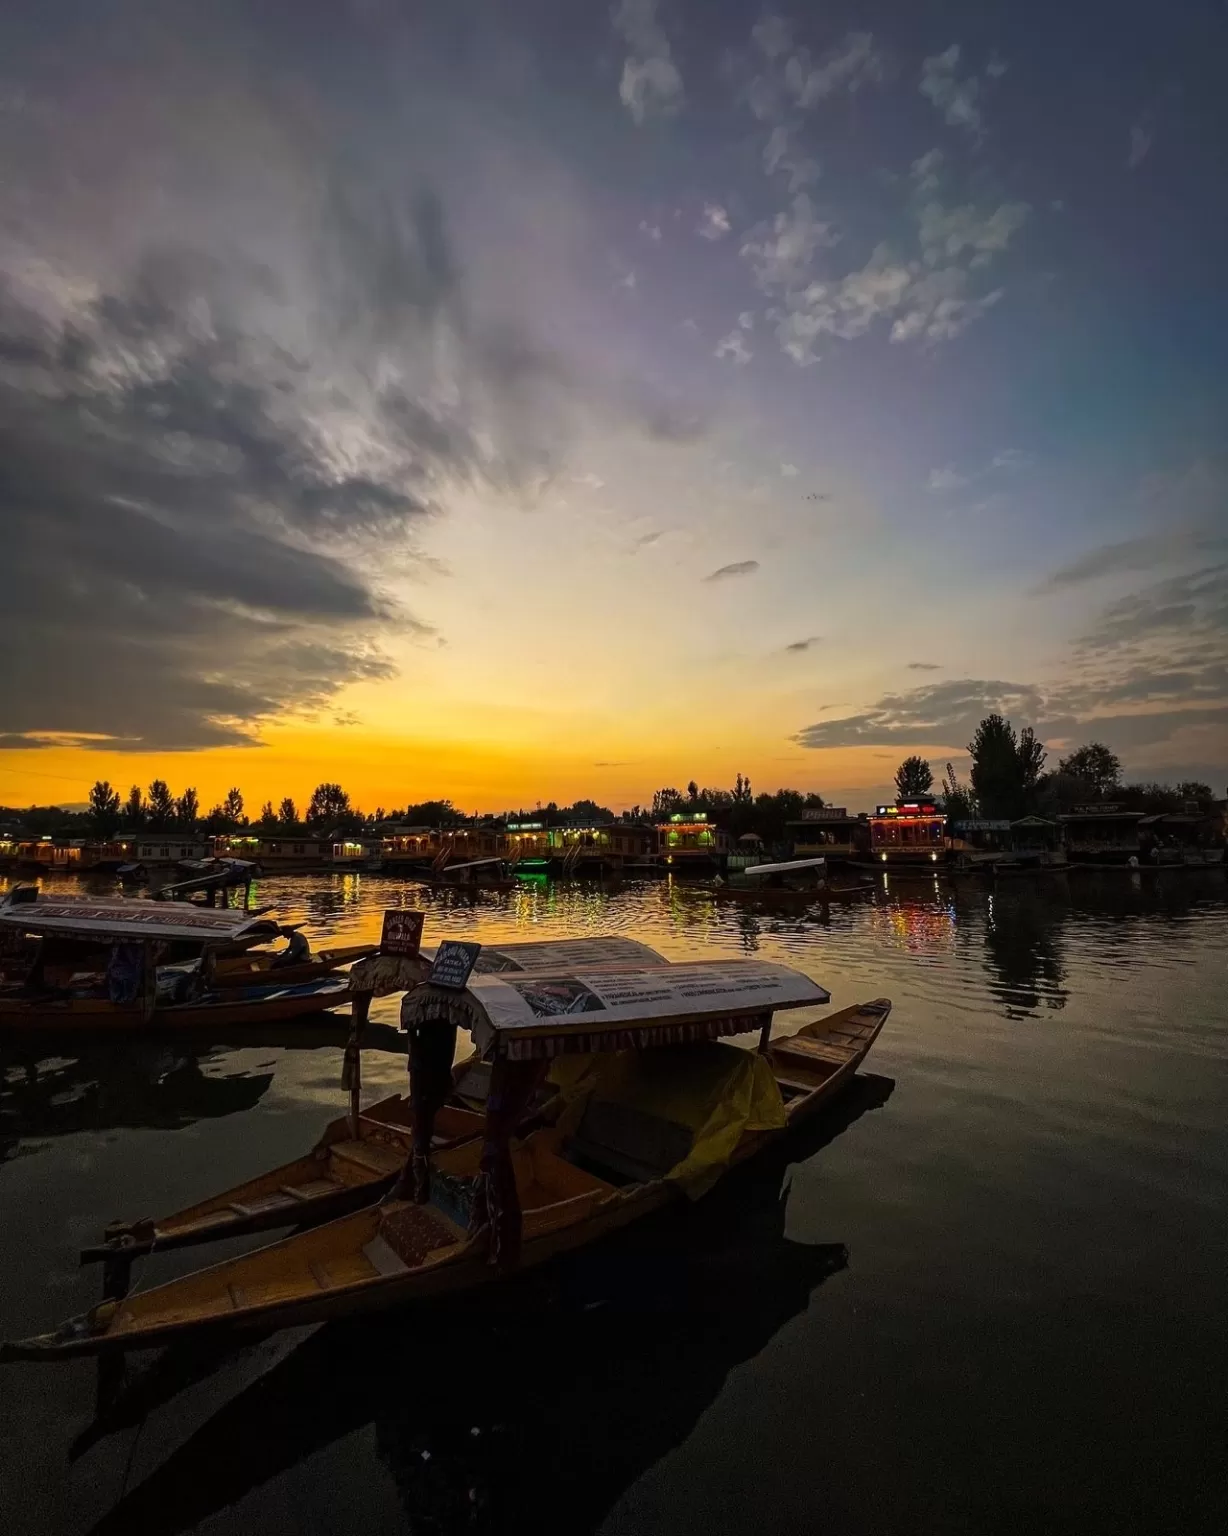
793, 882
665, 1106
95, 966
259, 967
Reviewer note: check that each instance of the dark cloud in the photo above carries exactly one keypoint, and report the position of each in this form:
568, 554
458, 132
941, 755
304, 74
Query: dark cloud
738, 568
939, 714
924, 666
1146, 553
804, 645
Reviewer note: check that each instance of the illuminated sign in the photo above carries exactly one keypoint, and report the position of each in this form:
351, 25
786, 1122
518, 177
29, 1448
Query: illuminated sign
689, 816
908, 808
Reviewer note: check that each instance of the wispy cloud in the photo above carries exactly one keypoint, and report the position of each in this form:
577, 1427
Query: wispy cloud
651, 85
924, 666
734, 347
789, 471
804, 645
1145, 553
951, 479
957, 99
738, 568
715, 222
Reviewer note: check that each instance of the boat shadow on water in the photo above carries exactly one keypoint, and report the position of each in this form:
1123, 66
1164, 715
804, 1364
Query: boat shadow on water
597, 1366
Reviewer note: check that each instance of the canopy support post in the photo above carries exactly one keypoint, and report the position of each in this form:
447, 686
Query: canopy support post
765, 1034
351, 1073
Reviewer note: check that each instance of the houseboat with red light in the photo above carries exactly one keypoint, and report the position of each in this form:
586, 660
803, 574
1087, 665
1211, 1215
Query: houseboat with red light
829, 832
910, 833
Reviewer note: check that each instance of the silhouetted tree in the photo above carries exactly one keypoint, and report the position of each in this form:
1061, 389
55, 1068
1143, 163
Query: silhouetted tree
666, 802
913, 777
1195, 789
134, 807
958, 800
1096, 765
187, 807
104, 808
268, 817
287, 813
232, 807
329, 805
160, 806
996, 774
1032, 756
692, 792
742, 791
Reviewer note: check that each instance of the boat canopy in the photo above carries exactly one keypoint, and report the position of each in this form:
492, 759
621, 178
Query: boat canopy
552, 1013
384, 974
134, 921
454, 869
784, 869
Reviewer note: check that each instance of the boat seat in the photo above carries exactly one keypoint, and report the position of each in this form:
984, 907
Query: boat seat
806, 1048
619, 1139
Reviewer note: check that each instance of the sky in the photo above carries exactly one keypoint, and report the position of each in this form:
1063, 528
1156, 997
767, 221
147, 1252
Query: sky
521, 402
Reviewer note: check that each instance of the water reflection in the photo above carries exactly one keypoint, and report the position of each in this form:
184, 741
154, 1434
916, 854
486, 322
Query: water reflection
539, 1408
152, 1083
1023, 927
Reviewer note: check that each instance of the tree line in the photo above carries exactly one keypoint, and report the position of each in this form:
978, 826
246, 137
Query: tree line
1009, 780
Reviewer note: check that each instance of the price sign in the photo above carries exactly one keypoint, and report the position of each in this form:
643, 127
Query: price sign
454, 962
402, 932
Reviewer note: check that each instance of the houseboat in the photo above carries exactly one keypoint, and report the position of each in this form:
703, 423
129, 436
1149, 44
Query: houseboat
1102, 834
909, 833
273, 852
594, 846
528, 846
688, 840
1180, 837
829, 832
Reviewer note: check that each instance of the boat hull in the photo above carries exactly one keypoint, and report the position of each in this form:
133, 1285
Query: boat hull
270, 1005
325, 1274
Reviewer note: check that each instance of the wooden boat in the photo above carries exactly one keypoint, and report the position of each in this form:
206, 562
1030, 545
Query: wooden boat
357, 1158
795, 882
607, 1161
260, 967
472, 876
95, 967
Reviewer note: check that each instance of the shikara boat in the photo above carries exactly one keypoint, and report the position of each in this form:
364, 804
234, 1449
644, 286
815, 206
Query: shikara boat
357, 1158
793, 882
95, 967
471, 876
261, 968
662, 1108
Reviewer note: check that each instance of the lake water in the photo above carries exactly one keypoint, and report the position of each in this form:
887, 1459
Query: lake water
986, 1294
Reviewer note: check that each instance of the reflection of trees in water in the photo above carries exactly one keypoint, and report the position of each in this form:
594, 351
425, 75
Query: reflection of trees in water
533, 1407
147, 1083
1022, 945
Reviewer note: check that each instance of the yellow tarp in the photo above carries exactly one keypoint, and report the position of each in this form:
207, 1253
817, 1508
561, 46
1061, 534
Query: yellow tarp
717, 1091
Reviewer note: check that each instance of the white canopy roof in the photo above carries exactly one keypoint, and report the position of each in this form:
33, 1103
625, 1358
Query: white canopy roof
132, 920
546, 1013
784, 869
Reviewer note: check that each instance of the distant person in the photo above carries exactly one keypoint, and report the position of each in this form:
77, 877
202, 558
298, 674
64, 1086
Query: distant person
296, 952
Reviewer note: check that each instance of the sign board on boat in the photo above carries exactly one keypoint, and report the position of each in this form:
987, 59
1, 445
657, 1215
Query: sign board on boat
826, 813
454, 962
402, 931
568, 954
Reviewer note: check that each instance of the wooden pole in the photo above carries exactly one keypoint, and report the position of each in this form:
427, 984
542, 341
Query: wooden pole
765, 1034
359, 1009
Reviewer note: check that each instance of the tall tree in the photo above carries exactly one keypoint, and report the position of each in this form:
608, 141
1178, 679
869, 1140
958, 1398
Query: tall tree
187, 808
287, 813
742, 792
913, 777
1032, 756
997, 776
1096, 765
1194, 789
134, 807
692, 792
958, 800
666, 802
268, 816
232, 806
160, 804
329, 804
104, 808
